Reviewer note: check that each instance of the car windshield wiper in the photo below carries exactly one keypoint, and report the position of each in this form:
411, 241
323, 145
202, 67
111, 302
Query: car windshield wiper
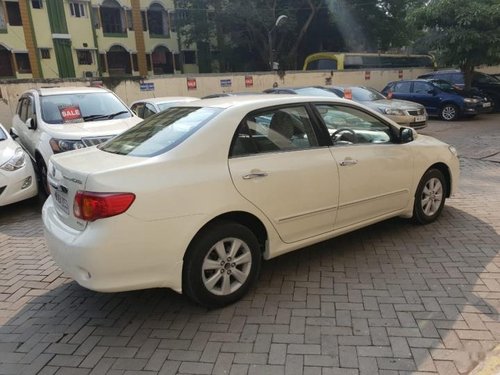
98, 117
116, 114
93, 117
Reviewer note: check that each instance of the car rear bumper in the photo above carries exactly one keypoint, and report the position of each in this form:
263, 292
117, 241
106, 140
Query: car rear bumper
105, 259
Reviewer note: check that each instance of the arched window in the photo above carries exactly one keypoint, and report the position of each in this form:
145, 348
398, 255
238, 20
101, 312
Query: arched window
118, 61
158, 20
113, 18
162, 61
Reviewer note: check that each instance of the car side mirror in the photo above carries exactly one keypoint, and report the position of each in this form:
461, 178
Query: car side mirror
405, 135
31, 123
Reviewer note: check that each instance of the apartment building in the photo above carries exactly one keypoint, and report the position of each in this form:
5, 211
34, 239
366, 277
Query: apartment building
87, 38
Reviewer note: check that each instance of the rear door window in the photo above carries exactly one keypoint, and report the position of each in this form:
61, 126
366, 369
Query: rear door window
160, 133
402, 87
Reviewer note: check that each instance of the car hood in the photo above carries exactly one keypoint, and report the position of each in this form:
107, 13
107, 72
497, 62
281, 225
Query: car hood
92, 128
393, 103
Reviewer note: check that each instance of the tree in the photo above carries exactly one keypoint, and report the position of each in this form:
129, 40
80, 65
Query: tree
239, 29
462, 33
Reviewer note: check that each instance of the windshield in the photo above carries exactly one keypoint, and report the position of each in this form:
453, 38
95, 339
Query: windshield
71, 108
313, 91
363, 94
161, 132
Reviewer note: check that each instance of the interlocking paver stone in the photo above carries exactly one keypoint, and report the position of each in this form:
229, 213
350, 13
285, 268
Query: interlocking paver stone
393, 298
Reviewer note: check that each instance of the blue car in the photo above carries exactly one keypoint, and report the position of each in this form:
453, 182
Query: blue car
439, 98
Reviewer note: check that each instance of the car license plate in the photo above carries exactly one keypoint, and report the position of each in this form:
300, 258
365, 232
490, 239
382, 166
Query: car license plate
486, 105
62, 202
420, 118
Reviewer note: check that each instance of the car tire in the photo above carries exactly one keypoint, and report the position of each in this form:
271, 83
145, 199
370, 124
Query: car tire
429, 197
214, 258
43, 186
449, 112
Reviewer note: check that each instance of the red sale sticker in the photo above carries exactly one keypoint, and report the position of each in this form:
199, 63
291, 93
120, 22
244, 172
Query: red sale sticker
70, 113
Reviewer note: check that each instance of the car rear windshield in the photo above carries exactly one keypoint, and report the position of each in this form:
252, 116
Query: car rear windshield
161, 132
92, 106
361, 94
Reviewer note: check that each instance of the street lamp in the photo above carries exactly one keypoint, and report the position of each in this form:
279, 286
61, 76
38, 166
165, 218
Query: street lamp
279, 21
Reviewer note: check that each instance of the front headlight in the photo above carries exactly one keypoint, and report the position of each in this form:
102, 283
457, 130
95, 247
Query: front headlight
62, 145
15, 162
453, 150
471, 100
392, 111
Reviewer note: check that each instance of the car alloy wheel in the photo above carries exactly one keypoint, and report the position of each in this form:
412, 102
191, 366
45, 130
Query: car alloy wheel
227, 266
429, 197
449, 112
221, 264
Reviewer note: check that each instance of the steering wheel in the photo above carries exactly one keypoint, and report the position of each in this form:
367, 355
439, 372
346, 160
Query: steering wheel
338, 134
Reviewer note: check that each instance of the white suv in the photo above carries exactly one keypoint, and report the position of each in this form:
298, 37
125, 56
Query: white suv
53, 120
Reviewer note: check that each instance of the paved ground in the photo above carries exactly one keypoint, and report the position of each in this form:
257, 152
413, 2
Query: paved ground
391, 299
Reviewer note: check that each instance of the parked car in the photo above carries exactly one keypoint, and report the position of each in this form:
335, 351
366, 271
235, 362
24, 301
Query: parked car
488, 84
200, 193
307, 90
401, 111
439, 98
149, 107
53, 120
17, 176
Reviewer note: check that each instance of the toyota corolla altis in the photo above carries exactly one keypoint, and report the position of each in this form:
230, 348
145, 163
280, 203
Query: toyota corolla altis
195, 197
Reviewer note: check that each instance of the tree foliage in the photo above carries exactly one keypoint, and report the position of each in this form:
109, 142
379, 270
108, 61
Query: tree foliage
462, 33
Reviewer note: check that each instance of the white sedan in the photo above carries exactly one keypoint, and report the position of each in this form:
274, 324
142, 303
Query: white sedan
194, 198
17, 176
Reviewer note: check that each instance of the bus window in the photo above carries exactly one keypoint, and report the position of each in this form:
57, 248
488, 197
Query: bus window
322, 64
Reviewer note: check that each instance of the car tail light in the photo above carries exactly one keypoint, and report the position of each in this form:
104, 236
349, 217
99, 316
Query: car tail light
91, 206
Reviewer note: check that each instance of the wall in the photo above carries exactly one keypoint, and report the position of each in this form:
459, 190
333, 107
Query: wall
176, 85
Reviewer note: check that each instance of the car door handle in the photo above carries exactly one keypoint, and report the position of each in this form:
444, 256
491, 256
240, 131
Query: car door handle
254, 175
348, 161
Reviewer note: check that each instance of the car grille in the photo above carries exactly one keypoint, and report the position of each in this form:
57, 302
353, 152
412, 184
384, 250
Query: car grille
418, 112
94, 141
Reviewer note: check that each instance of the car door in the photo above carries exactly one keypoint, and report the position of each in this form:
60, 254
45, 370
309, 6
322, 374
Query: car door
427, 95
19, 123
375, 172
278, 163
402, 90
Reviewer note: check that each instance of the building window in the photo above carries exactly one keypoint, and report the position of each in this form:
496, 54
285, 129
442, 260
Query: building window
102, 60
148, 62
3, 23
23, 63
13, 13
95, 18
157, 20
135, 62
172, 21
130, 20
77, 9
144, 21
84, 57
45, 53
189, 57
36, 4
113, 18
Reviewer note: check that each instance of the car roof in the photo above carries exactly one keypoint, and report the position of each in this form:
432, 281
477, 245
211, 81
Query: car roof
166, 99
46, 91
265, 100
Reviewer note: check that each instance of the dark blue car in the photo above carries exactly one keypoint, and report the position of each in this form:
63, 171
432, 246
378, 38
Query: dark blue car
439, 98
